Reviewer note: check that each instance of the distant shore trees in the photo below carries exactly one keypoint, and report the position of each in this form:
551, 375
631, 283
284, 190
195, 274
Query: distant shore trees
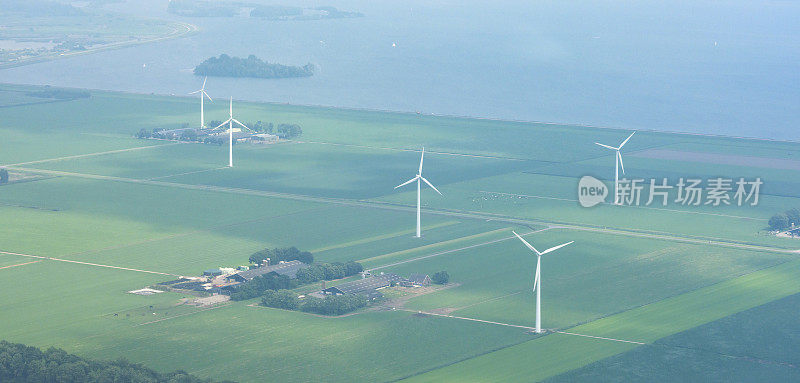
3, 175
252, 66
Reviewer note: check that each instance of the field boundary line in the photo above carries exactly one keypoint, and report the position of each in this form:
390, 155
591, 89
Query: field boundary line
521, 326
627, 206
600, 337
19, 264
454, 250
88, 263
92, 154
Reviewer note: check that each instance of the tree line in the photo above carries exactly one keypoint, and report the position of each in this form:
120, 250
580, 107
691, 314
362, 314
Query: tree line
285, 254
328, 271
21, 363
784, 221
3, 175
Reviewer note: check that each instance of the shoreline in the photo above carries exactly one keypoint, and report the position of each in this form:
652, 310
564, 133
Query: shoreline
437, 115
185, 29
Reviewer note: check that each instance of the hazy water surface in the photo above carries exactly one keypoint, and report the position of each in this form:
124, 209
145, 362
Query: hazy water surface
721, 67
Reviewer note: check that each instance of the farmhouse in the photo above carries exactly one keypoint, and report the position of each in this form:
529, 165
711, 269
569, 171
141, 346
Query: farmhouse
289, 269
418, 280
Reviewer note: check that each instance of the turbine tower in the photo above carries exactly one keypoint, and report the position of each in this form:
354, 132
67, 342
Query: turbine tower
230, 122
203, 95
618, 164
537, 280
419, 178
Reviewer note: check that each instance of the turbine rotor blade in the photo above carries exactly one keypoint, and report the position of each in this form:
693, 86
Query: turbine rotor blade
606, 146
243, 125
626, 140
197, 91
556, 247
209, 97
526, 243
231, 108
204, 83
407, 182
421, 157
620, 162
220, 125
431, 185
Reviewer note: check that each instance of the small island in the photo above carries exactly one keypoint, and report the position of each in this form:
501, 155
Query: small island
252, 66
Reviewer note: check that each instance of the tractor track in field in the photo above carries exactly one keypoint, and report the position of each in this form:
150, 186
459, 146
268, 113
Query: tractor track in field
40, 257
442, 212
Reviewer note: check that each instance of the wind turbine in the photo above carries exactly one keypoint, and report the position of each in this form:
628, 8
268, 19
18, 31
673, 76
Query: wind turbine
230, 122
419, 178
618, 159
537, 281
203, 95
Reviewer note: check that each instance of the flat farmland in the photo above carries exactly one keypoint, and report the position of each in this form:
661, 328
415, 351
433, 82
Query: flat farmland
583, 282
754, 345
114, 214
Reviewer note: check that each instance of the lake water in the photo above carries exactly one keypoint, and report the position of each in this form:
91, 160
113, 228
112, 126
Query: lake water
720, 67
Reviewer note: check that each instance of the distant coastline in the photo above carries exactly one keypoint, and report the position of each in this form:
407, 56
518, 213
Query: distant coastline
252, 66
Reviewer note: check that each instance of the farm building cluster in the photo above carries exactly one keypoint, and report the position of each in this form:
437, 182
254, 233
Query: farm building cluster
370, 285
226, 280
214, 136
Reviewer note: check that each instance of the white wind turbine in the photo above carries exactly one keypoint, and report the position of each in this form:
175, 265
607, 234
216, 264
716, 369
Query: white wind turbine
203, 95
419, 178
230, 122
618, 159
537, 281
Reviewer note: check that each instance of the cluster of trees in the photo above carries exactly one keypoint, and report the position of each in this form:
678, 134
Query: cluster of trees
261, 284
3, 175
288, 131
21, 363
328, 271
330, 305
440, 278
282, 254
784, 221
252, 66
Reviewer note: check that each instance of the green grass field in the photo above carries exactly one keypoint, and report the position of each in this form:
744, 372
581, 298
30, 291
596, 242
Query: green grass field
754, 345
114, 212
